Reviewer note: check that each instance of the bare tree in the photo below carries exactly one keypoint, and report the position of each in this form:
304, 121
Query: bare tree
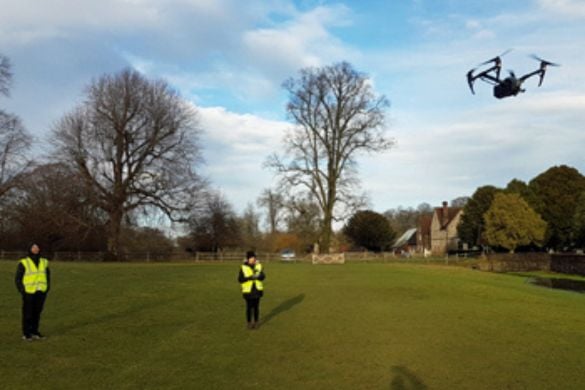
460, 201
274, 204
14, 144
214, 226
14, 139
50, 205
337, 115
403, 218
249, 226
134, 143
303, 219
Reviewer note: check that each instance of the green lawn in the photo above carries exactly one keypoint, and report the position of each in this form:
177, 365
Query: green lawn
356, 326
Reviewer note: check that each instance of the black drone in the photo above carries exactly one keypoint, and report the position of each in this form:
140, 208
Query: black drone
511, 85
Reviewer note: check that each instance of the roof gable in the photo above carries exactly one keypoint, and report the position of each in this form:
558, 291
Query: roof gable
404, 238
425, 222
451, 214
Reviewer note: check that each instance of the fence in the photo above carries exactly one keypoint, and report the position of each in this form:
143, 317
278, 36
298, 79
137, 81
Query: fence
145, 256
562, 263
231, 256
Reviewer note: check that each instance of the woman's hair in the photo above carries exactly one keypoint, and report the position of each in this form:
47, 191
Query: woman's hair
29, 248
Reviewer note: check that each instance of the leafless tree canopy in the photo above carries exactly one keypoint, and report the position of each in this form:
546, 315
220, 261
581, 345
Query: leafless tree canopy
14, 140
214, 225
302, 216
134, 142
273, 202
249, 226
51, 207
14, 144
337, 115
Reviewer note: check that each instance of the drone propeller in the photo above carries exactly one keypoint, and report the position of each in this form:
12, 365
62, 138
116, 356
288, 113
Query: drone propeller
497, 59
486, 74
543, 65
506, 52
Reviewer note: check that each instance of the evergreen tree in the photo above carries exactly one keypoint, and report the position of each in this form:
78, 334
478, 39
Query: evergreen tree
579, 222
370, 230
510, 222
559, 189
472, 224
527, 193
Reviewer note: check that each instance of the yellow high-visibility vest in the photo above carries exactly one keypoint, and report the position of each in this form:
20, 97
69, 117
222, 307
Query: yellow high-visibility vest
247, 271
35, 278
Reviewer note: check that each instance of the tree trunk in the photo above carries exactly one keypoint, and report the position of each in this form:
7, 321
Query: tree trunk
328, 212
326, 232
114, 235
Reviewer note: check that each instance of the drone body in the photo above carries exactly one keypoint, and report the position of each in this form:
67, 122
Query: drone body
511, 85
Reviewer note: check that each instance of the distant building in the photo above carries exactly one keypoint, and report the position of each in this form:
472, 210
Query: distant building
436, 233
423, 234
443, 229
406, 243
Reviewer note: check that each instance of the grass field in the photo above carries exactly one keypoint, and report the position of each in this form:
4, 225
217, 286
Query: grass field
357, 326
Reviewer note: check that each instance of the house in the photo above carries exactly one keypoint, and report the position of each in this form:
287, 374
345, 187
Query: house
406, 243
443, 229
423, 234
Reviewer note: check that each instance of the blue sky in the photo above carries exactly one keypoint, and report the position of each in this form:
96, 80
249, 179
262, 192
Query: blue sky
229, 58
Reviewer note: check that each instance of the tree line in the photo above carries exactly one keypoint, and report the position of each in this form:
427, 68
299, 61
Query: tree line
547, 212
128, 156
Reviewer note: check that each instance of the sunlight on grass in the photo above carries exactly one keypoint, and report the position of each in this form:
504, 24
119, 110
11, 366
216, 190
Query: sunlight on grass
356, 326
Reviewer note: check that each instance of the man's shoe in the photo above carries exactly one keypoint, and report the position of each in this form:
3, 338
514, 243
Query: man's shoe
250, 325
38, 336
27, 337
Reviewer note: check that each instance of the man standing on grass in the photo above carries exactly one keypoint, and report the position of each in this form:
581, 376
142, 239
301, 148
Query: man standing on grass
33, 280
250, 277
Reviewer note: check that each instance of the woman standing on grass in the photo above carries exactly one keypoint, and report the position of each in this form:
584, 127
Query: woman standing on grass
33, 280
250, 277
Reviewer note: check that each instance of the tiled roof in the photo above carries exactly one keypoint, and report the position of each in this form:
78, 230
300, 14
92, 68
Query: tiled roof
424, 223
403, 240
452, 211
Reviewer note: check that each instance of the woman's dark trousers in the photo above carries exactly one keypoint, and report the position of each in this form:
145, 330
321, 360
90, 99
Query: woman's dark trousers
32, 307
252, 309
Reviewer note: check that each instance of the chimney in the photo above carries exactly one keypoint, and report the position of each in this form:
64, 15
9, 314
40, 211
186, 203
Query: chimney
445, 215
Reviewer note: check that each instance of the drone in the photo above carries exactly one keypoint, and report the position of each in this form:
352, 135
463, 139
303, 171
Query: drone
511, 85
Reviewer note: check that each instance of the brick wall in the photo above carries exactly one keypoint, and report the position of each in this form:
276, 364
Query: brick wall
515, 262
568, 264
571, 264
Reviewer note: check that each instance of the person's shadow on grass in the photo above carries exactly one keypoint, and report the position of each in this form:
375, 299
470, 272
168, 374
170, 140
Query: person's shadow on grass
404, 379
98, 318
284, 306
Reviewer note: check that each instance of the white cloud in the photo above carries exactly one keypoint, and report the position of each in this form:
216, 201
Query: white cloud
569, 8
450, 142
237, 51
235, 149
304, 41
229, 53
173, 25
515, 138
28, 20
241, 133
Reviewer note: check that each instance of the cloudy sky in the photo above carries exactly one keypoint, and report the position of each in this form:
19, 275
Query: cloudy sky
230, 57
